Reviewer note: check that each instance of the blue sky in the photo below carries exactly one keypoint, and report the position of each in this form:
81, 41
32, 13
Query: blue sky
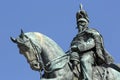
56, 19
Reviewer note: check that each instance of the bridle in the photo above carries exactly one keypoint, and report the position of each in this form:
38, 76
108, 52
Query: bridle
38, 51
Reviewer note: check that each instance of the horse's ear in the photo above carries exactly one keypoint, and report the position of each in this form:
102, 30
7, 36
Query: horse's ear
21, 34
13, 40
22, 31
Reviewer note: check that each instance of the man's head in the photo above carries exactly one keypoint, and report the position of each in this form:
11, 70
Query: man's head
82, 19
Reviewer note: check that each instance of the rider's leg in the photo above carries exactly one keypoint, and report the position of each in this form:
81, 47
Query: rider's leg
86, 61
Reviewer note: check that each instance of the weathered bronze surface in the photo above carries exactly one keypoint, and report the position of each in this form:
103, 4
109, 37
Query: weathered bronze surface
87, 58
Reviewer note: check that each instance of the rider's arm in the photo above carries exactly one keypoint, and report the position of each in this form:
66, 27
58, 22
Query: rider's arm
86, 45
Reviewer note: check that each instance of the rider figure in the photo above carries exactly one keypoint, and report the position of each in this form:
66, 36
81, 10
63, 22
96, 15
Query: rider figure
87, 47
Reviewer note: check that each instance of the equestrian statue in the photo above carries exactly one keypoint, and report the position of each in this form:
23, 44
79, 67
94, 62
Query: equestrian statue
87, 59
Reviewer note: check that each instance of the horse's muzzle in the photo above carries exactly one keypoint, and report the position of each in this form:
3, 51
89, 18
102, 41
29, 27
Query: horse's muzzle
35, 65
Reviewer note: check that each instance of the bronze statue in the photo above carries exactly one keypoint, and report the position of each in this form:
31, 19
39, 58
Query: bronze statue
86, 60
42, 53
87, 47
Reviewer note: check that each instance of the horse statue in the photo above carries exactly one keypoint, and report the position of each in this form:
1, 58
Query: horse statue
44, 54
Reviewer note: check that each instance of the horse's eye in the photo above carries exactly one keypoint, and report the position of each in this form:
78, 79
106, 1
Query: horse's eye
23, 48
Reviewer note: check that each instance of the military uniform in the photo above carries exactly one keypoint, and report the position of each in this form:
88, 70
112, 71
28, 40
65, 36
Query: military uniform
87, 48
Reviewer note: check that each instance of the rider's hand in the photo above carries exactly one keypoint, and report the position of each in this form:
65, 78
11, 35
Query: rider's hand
74, 48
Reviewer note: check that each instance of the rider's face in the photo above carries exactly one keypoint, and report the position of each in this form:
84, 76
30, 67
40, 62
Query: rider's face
82, 25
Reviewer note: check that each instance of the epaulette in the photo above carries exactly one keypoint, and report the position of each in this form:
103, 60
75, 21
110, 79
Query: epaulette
93, 31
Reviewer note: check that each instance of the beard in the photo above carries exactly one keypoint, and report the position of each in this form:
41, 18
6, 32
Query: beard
80, 28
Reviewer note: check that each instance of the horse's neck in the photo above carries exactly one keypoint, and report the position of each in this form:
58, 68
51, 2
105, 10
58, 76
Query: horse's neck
50, 49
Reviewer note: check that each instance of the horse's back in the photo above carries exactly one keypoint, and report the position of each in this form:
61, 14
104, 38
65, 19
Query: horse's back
105, 73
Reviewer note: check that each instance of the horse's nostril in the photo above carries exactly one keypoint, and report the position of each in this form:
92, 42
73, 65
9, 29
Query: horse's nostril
35, 64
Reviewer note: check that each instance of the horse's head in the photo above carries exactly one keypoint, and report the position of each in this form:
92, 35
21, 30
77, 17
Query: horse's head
27, 48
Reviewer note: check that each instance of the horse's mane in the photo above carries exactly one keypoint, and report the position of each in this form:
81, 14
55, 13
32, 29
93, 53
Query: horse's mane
39, 38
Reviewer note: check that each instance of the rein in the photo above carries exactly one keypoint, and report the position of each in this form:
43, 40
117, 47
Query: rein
53, 61
48, 63
36, 49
